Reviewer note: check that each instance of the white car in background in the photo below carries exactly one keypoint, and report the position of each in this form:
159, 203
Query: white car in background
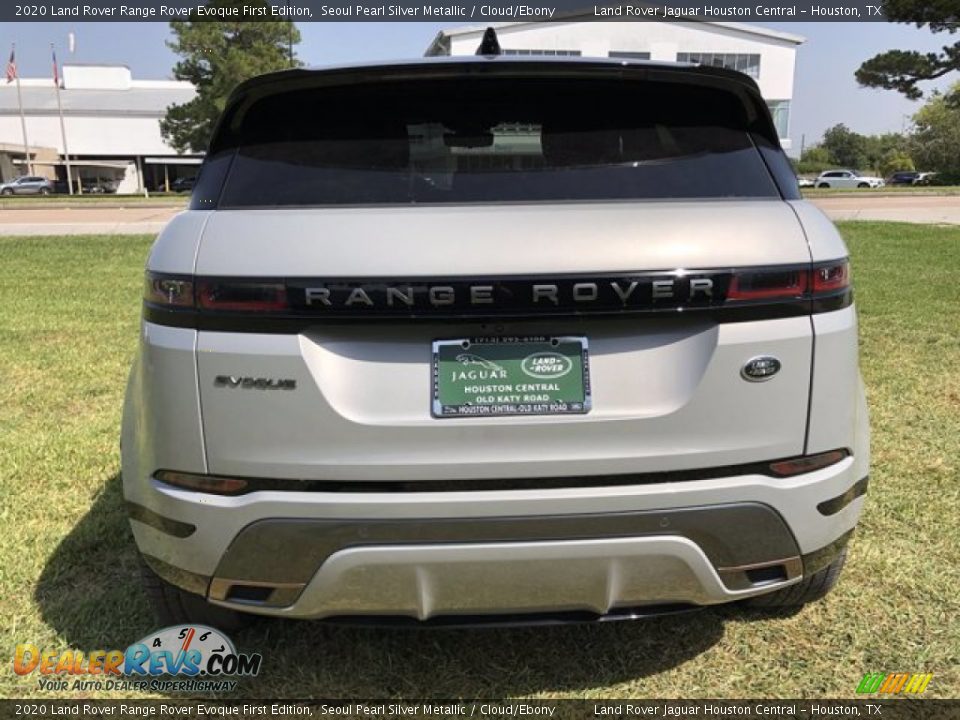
847, 179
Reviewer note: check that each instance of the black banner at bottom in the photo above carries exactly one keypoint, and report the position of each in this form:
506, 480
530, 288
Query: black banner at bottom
881, 709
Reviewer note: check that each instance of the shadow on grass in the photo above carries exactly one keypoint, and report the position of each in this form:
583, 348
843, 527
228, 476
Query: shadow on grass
89, 592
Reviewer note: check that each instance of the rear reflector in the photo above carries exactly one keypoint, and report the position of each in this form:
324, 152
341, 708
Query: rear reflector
798, 466
203, 483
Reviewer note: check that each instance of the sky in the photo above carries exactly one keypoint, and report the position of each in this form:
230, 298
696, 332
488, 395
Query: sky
825, 92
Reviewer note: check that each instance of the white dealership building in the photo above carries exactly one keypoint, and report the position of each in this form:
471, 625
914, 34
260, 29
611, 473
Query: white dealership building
767, 55
112, 125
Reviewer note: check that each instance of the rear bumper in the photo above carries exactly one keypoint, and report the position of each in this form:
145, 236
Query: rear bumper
429, 556
424, 581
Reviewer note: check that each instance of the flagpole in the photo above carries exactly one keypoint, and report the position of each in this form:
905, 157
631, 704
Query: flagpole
23, 120
63, 129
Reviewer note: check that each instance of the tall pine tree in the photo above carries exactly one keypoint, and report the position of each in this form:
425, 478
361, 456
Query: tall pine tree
216, 55
902, 70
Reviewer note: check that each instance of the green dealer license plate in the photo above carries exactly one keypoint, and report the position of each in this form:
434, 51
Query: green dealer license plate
510, 376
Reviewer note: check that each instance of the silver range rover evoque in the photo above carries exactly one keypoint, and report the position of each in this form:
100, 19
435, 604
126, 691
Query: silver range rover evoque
467, 339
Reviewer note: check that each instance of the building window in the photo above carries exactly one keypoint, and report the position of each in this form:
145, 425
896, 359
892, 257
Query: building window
575, 53
780, 109
748, 64
629, 55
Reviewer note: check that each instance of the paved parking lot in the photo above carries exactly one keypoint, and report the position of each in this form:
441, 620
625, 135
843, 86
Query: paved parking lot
136, 220
85, 220
905, 208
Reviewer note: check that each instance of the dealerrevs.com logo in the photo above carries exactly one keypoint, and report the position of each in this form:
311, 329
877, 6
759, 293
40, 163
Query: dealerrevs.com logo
893, 683
187, 658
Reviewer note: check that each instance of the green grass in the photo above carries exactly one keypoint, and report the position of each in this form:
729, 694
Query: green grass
68, 326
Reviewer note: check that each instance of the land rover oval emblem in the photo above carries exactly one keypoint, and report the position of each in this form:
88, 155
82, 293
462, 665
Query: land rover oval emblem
546, 365
760, 368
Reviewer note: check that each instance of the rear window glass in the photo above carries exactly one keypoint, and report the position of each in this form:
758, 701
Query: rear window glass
494, 140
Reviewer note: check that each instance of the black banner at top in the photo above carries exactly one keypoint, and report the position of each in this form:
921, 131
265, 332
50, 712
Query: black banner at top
535, 709
464, 11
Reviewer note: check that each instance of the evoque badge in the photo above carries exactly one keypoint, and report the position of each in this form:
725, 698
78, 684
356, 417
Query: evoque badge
254, 383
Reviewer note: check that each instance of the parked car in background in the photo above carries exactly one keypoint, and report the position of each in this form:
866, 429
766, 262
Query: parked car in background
805, 182
182, 184
904, 177
27, 185
99, 187
847, 179
910, 177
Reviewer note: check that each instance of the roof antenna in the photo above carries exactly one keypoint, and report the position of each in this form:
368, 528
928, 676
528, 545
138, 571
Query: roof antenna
489, 45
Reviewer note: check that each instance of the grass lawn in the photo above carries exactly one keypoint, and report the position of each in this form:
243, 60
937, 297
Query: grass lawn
68, 327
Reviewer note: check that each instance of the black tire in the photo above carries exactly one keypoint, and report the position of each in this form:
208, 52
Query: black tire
823, 185
44, 191
174, 606
863, 185
807, 590
6, 191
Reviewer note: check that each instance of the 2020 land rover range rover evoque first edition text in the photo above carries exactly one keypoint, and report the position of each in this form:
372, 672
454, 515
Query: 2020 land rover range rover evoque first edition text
467, 339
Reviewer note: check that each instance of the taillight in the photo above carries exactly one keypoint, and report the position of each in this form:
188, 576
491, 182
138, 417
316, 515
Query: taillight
831, 278
171, 291
768, 285
253, 296
789, 283
168, 290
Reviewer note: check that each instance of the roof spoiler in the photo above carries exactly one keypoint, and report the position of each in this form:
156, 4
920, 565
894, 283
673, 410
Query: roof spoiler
226, 133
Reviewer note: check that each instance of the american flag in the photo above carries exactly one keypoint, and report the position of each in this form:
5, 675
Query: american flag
56, 74
11, 67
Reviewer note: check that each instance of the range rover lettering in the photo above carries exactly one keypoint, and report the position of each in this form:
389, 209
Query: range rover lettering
463, 339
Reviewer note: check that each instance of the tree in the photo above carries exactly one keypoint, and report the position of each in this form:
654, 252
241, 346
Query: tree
889, 147
815, 159
846, 147
817, 154
902, 70
935, 144
895, 161
216, 56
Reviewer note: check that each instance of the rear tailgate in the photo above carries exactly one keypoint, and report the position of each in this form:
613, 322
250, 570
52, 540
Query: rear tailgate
667, 391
